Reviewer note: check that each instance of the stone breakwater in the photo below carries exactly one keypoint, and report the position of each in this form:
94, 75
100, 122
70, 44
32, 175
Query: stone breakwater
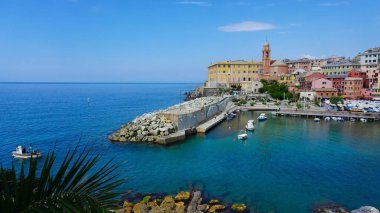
144, 129
158, 126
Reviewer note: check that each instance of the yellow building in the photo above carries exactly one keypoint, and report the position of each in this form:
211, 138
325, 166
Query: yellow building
288, 79
227, 73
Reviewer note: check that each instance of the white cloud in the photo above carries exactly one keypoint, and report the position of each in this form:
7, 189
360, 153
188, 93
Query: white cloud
334, 4
309, 56
246, 26
197, 3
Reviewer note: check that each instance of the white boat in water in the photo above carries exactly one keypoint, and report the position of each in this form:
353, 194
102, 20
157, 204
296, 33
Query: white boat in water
262, 117
327, 118
242, 135
317, 120
250, 125
363, 120
22, 153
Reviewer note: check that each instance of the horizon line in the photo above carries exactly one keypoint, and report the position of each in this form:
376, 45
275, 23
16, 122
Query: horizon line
73, 82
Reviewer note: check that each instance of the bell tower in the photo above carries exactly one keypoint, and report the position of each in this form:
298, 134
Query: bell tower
266, 57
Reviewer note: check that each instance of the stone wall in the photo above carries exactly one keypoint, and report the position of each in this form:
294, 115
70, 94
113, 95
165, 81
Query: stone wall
185, 120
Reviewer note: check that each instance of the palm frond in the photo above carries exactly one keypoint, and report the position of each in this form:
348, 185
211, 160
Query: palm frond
75, 186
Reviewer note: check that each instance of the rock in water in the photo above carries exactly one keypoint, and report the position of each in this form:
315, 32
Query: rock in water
195, 201
366, 209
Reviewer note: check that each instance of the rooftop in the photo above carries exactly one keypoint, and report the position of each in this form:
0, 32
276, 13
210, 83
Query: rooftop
341, 63
336, 76
236, 62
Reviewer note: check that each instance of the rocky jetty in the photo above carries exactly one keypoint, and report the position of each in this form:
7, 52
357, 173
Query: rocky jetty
183, 202
147, 128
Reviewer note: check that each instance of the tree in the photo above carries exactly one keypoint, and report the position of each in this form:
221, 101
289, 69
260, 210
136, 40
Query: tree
71, 189
336, 99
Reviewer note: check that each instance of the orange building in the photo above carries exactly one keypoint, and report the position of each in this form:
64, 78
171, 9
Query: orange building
353, 88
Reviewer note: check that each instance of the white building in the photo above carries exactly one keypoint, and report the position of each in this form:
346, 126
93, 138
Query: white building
369, 63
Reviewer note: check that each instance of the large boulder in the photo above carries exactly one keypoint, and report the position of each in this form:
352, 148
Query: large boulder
195, 201
140, 208
182, 196
365, 209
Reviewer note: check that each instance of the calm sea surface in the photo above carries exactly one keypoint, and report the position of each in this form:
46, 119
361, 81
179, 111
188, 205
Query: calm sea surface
286, 164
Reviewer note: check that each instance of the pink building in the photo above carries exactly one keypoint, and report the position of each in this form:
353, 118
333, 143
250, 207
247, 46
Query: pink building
321, 83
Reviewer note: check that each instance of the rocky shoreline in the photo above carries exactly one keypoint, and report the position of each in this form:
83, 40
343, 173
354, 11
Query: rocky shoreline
183, 202
194, 202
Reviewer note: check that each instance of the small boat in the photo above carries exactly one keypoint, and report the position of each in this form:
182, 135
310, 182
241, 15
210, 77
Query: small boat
22, 153
339, 119
327, 118
262, 117
352, 119
317, 120
250, 125
242, 135
363, 120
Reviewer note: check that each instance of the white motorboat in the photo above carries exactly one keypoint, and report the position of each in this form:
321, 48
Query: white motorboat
363, 120
327, 118
262, 117
242, 135
250, 125
352, 119
22, 153
317, 120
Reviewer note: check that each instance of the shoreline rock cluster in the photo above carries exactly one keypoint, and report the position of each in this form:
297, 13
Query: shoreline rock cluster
144, 129
183, 202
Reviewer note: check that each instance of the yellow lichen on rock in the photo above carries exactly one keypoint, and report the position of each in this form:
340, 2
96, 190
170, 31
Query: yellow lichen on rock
216, 208
182, 196
213, 201
180, 204
238, 207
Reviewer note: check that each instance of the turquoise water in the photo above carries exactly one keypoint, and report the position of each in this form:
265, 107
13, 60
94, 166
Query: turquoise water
286, 164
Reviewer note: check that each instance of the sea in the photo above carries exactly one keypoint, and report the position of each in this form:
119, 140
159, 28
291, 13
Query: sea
288, 164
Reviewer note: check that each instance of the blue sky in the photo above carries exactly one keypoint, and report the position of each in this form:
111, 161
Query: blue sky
171, 40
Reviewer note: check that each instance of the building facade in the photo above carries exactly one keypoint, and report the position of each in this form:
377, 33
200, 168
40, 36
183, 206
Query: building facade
370, 64
303, 63
353, 88
225, 73
325, 92
337, 82
339, 68
321, 83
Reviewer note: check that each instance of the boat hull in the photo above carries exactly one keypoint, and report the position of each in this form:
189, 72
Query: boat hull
26, 155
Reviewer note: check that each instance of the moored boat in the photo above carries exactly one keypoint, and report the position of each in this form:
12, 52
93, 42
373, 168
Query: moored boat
317, 120
22, 153
262, 117
250, 125
242, 135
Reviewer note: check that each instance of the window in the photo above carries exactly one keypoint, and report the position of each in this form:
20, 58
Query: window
324, 82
